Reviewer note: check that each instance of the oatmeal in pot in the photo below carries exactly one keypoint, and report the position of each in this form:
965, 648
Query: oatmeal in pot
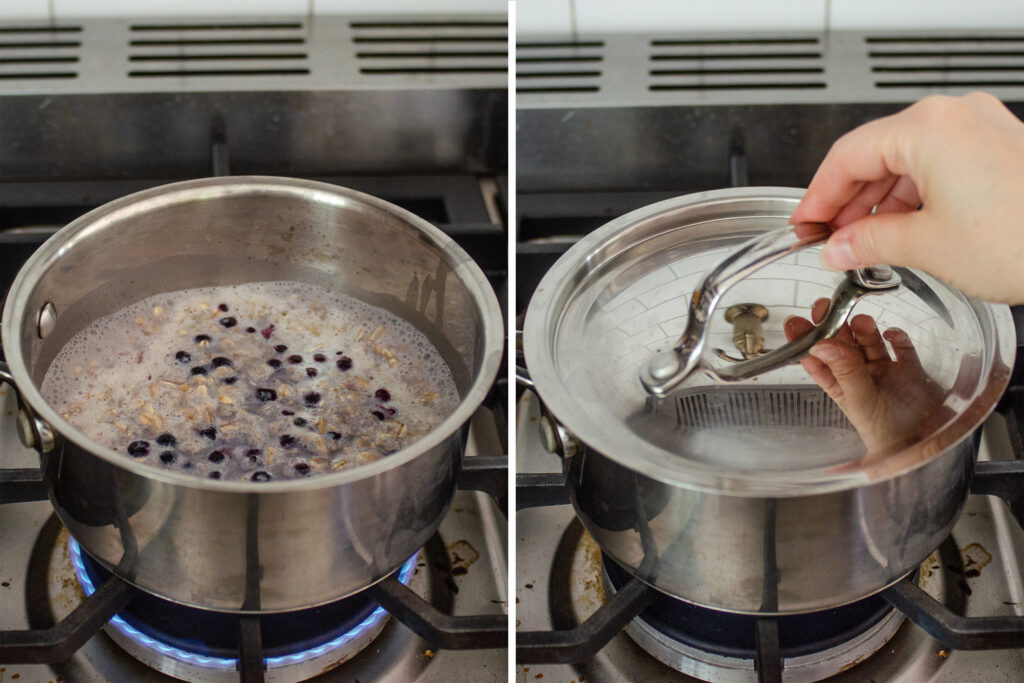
258, 382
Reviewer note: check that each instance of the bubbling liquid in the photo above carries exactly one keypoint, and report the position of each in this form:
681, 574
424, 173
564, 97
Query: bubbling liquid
256, 382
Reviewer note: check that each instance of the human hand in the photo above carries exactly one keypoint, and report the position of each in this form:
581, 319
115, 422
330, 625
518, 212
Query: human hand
961, 159
889, 401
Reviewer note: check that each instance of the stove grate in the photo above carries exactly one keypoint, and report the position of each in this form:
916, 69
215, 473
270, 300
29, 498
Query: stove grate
1004, 479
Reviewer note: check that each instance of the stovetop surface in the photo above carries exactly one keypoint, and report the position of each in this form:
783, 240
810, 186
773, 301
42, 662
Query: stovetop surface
473, 522
910, 657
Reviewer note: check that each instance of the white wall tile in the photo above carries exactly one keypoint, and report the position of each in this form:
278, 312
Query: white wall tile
925, 14
410, 7
32, 10
540, 17
600, 16
255, 8
64, 9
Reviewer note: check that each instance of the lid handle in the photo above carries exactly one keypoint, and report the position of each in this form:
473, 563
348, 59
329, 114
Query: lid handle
667, 369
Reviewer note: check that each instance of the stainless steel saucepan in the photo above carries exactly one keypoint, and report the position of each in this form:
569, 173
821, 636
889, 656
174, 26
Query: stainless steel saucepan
245, 546
707, 461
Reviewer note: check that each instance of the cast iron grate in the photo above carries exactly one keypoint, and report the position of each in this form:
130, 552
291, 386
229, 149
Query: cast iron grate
29, 53
441, 630
1004, 479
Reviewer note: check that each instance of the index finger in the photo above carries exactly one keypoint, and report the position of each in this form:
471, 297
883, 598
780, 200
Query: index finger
871, 152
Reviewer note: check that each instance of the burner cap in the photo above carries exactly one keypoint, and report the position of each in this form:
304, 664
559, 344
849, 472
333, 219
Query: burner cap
732, 635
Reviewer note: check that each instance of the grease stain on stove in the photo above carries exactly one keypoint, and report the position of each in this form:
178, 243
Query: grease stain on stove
975, 558
588, 588
463, 555
66, 592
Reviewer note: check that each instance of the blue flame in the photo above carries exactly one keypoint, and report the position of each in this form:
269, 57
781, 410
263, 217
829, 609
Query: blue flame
371, 621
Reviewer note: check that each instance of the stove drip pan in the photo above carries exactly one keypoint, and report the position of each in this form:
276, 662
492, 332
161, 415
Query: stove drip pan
720, 646
201, 645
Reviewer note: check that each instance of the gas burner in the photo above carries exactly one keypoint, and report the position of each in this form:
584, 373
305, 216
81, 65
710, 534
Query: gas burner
197, 645
720, 646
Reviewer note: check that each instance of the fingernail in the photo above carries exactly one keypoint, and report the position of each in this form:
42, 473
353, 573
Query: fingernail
825, 352
838, 253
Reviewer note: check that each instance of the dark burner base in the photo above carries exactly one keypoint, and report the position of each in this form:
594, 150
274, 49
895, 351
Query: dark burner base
733, 635
216, 634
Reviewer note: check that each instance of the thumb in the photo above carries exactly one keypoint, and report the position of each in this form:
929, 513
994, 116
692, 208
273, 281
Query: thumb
889, 238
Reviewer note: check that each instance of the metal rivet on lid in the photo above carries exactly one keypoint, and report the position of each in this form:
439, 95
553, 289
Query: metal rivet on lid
47, 320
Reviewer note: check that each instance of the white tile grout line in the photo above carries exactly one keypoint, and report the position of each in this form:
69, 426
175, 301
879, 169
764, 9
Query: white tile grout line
510, 323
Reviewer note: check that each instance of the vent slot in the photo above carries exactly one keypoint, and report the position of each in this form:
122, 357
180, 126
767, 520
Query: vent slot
218, 50
439, 48
946, 62
563, 66
215, 27
734, 41
736, 64
29, 53
40, 29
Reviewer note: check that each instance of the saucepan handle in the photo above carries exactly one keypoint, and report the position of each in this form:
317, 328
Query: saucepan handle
32, 431
667, 369
554, 437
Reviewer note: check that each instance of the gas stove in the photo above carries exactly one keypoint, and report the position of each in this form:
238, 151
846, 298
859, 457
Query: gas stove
607, 124
563, 581
460, 575
93, 110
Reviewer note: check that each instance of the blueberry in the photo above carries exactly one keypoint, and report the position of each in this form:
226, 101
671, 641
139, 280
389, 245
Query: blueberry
267, 331
378, 414
295, 359
138, 448
202, 338
287, 441
198, 370
250, 330
221, 362
344, 363
280, 348
223, 308
166, 439
208, 432
287, 412
302, 469
274, 363
253, 452
388, 412
334, 435
299, 422
380, 394
266, 395
311, 372
167, 457
214, 475
182, 357
228, 321
230, 380
261, 476
311, 398
319, 357
215, 456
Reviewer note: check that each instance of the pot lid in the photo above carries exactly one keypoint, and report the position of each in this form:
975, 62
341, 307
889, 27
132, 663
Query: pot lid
921, 365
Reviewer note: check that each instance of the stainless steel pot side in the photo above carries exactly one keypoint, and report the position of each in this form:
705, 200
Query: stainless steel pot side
764, 535
243, 546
